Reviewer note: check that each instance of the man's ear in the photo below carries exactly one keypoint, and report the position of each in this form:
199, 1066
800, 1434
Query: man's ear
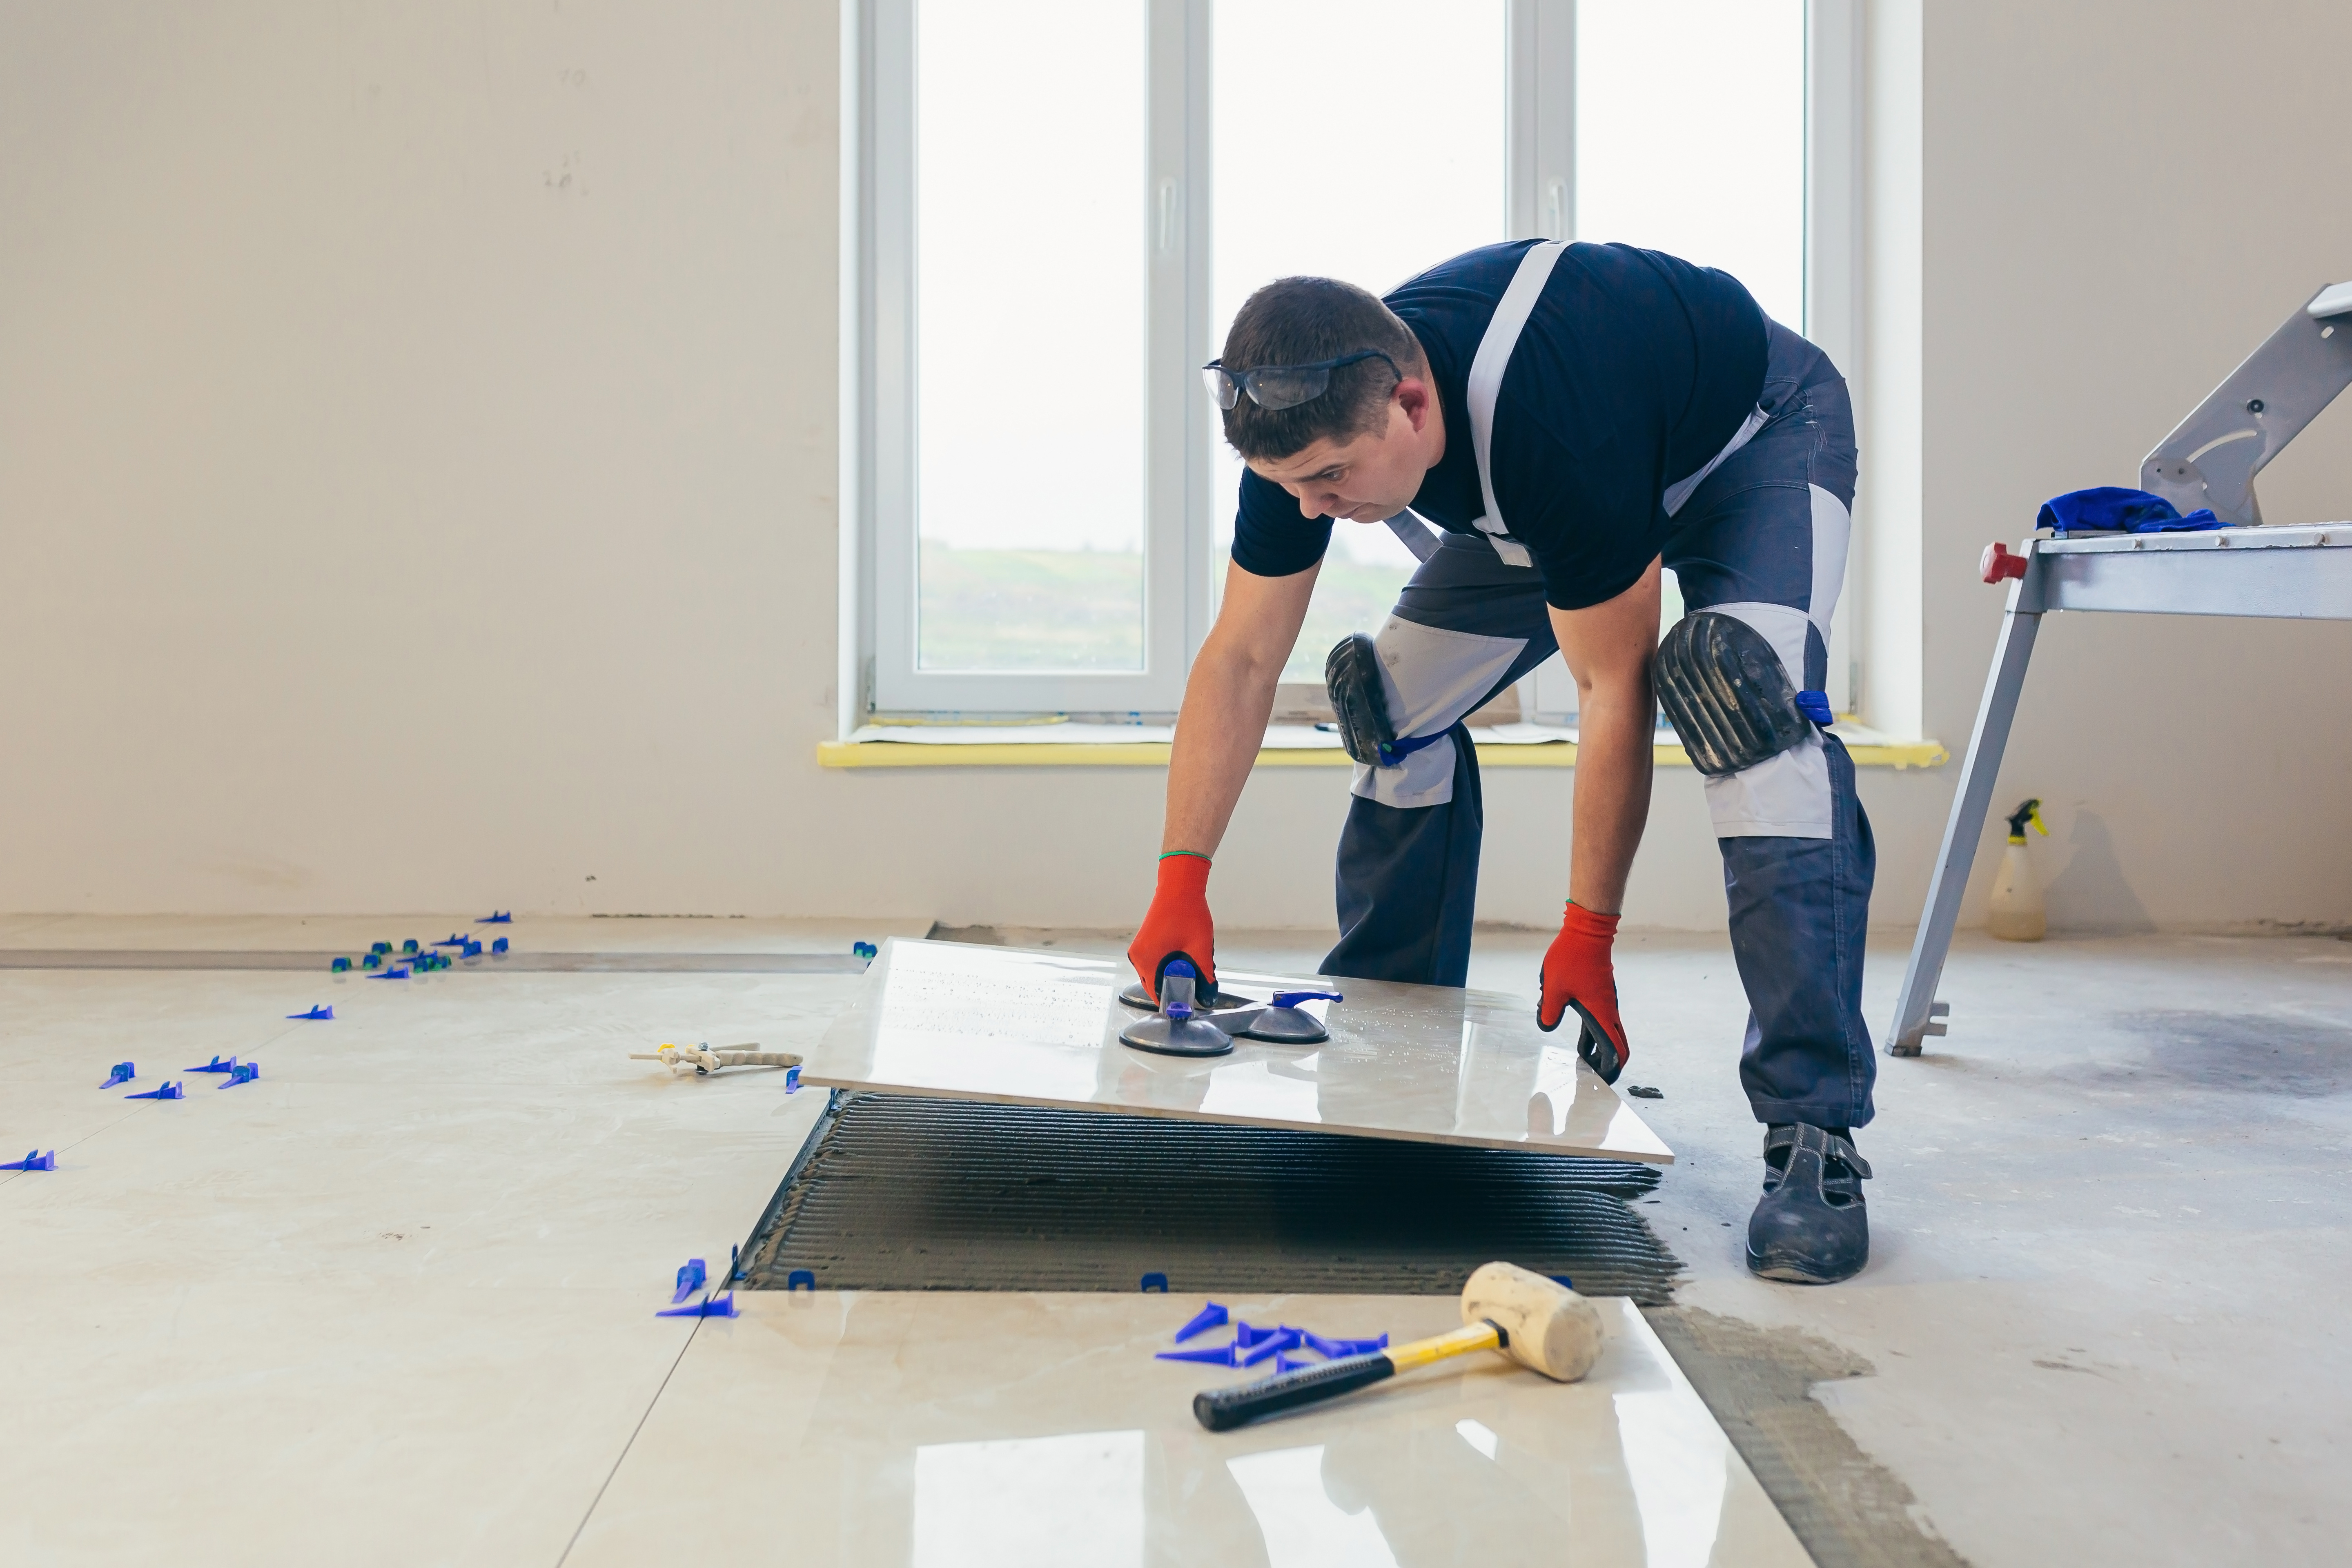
1411, 395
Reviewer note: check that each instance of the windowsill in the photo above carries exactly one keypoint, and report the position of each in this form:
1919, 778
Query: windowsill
1287, 746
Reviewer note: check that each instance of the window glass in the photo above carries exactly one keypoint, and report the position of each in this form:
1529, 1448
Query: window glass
1690, 136
1690, 139
1361, 140
1030, 215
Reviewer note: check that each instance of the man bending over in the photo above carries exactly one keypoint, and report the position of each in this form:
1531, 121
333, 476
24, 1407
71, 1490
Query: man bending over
1571, 418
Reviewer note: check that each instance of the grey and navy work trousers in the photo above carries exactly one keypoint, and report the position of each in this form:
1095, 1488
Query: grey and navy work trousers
1763, 537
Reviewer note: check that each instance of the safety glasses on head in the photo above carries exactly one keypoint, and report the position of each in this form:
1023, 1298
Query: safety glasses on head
1282, 386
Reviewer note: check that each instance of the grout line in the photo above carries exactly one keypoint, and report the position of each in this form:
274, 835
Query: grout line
93, 1132
624, 1454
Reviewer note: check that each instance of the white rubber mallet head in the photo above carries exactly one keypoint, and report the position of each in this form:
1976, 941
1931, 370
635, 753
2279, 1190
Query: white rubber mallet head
1544, 1325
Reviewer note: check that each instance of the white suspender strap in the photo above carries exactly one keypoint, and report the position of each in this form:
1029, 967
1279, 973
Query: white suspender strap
1487, 370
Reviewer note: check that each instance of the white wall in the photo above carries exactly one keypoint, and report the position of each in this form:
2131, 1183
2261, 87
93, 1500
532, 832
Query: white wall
417, 471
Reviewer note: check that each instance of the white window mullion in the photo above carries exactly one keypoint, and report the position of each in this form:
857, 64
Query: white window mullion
1542, 97
1198, 426
1833, 261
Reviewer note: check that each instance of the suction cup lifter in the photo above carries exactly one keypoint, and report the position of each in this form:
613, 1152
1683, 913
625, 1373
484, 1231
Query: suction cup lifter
1175, 1030
1286, 1021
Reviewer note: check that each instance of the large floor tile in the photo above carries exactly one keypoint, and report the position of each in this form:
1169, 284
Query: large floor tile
353, 934
930, 1430
159, 1420
1040, 1027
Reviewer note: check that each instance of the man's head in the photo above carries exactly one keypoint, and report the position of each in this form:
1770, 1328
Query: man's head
1359, 448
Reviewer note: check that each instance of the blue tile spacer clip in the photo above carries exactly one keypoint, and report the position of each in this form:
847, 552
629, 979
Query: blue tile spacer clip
791, 1080
1208, 1355
317, 1014
864, 950
1154, 1281
1281, 1340
719, 1306
734, 1263
398, 972
1209, 1317
690, 1278
798, 1277
453, 940
1284, 1361
498, 948
216, 1065
340, 966
472, 949
244, 1074
1246, 1335
167, 1092
497, 918
408, 946
34, 1160
121, 1072
1561, 1279
372, 961
380, 949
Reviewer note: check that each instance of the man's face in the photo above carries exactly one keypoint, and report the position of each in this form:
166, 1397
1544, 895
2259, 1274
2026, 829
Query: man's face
1370, 479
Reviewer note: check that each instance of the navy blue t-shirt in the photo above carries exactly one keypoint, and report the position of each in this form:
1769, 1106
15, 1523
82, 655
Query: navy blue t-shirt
1634, 369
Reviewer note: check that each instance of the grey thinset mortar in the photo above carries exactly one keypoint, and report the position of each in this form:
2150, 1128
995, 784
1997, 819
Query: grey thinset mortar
901, 1192
1848, 1509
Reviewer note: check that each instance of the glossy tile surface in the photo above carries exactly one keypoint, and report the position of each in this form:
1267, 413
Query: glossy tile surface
1403, 1061
394, 1301
926, 1429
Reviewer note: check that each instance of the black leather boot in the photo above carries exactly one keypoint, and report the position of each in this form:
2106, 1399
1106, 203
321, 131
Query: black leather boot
1809, 1227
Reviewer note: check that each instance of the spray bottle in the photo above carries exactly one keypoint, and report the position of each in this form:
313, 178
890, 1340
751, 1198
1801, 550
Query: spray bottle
2016, 914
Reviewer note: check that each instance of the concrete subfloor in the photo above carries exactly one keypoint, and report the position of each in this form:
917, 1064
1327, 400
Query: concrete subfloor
391, 1303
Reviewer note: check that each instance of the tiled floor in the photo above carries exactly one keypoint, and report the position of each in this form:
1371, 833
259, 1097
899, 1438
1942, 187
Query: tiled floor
392, 1302
1032, 1431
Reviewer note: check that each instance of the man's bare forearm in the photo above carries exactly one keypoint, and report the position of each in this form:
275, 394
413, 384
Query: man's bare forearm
1609, 648
1226, 704
1615, 734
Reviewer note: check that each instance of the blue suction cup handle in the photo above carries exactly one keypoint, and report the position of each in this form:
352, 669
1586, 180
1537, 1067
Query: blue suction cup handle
1293, 998
1176, 990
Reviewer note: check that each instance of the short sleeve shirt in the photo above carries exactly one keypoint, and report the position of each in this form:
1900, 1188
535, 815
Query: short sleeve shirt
1634, 369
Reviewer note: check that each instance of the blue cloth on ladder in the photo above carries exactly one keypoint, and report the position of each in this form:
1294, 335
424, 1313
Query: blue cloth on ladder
2111, 509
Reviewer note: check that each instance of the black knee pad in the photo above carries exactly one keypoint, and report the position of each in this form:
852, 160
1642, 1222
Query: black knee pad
1723, 687
1352, 674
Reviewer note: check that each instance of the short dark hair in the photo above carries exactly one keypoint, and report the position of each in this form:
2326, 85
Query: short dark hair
1298, 320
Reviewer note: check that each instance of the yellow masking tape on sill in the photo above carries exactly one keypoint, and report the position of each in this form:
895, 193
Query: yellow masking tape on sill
1152, 755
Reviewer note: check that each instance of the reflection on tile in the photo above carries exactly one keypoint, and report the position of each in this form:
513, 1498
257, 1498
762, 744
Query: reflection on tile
932, 1427
1403, 1061
1041, 1501
1301, 1526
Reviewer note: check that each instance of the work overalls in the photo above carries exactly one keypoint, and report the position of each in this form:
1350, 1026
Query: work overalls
1761, 534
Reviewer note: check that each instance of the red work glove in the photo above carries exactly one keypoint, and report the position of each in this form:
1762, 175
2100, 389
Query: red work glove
1577, 973
1178, 926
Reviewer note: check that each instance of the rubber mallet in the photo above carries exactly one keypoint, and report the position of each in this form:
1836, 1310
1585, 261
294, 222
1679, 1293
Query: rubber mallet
1536, 1321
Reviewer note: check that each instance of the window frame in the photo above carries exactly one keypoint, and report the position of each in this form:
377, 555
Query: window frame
877, 335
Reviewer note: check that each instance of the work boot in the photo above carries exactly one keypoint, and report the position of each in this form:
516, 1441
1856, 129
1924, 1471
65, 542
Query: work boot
1809, 1227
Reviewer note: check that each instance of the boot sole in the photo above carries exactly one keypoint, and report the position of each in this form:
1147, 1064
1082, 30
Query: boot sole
1790, 1274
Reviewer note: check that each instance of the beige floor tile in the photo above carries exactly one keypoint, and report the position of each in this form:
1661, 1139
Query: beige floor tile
541, 934
935, 1429
234, 1420
1042, 1027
